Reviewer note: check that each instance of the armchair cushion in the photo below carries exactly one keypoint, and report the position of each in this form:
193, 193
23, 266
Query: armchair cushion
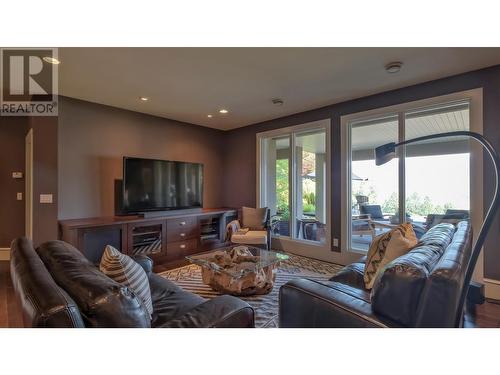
169, 300
252, 237
254, 218
220, 312
145, 262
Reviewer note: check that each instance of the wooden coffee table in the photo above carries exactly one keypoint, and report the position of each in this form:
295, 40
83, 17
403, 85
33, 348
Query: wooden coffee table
240, 271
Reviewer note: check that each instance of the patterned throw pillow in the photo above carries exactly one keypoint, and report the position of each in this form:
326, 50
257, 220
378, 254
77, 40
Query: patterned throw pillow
126, 271
387, 247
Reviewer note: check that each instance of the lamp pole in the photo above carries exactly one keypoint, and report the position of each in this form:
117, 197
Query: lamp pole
386, 152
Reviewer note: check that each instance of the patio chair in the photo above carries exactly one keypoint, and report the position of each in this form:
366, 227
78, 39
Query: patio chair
361, 225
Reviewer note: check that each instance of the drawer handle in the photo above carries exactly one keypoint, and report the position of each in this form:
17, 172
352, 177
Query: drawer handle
183, 246
183, 234
182, 223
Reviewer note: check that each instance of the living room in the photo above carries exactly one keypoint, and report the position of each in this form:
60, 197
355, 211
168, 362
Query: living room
240, 186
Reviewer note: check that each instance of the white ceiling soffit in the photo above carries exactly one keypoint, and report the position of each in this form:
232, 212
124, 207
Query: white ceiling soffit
366, 136
187, 84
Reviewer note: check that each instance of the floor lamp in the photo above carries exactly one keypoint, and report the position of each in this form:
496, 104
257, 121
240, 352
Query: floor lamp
387, 152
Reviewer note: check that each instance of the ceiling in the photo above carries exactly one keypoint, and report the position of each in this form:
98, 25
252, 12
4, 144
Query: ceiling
187, 84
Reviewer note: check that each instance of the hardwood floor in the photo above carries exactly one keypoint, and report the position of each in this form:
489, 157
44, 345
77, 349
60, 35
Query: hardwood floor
10, 311
487, 315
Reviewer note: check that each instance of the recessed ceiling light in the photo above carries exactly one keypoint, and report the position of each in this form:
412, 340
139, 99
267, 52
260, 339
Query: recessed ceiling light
224, 111
277, 102
143, 98
209, 116
51, 60
393, 67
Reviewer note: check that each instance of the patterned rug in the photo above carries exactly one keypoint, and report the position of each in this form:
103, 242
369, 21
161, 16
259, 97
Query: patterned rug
265, 306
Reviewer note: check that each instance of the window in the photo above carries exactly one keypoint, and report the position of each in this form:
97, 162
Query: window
293, 182
427, 183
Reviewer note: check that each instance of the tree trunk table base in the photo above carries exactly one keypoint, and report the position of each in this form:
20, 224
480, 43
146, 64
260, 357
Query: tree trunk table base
241, 271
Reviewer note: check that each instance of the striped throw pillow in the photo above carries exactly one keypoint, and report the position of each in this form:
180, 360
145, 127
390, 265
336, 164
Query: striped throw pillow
126, 271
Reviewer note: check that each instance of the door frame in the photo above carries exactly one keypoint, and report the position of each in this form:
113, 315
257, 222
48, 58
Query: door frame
475, 99
308, 248
28, 181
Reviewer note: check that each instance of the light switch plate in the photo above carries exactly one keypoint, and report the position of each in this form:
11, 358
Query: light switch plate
19, 196
17, 174
45, 198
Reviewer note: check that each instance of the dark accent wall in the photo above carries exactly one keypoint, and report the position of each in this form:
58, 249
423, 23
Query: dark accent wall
93, 139
240, 158
13, 131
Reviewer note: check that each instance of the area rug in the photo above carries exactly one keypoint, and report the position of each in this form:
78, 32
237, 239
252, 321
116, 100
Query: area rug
265, 306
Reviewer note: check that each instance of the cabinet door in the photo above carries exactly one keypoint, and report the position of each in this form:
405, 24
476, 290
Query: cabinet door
93, 241
147, 238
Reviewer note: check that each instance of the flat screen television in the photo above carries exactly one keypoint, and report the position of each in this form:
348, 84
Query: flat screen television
161, 185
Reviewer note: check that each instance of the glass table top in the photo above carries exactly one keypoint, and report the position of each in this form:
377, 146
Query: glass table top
238, 261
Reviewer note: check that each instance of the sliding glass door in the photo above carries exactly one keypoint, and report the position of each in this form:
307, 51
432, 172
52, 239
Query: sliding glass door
427, 183
294, 184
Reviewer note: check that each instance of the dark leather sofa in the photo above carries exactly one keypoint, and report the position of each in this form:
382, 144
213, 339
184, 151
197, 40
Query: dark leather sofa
419, 289
58, 287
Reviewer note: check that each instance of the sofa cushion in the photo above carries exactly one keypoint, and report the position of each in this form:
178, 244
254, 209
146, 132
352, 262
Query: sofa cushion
453, 218
254, 218
102, 301
396, 292
123, 269
387, 247
169, 300
442, 290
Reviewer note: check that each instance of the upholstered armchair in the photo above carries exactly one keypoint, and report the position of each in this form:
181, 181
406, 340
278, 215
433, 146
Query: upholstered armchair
252, 228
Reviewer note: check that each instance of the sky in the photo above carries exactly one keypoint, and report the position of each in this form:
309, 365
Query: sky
444, 178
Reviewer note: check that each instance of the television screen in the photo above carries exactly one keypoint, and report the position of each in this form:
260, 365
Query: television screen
151, 185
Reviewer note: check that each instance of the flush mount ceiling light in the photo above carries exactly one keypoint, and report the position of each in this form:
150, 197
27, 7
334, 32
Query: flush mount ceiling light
209, 116
277, 102
223, 111
393, 67
143, 98
51, 60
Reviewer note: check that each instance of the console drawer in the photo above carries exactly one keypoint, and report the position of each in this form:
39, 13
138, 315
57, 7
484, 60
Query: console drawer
181, 224
182, 233
181, 248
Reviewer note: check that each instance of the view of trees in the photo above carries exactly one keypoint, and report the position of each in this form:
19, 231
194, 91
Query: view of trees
308, 185
282, 188
415, 203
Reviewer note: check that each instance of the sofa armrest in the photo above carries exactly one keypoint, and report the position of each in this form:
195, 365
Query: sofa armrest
145, 262
307, 303
220, 312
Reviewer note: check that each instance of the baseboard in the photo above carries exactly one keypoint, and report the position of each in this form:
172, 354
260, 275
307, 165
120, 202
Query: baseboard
492, 289
4, 253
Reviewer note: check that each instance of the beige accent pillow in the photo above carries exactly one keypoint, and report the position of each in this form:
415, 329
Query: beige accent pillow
254, 218
387, 247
